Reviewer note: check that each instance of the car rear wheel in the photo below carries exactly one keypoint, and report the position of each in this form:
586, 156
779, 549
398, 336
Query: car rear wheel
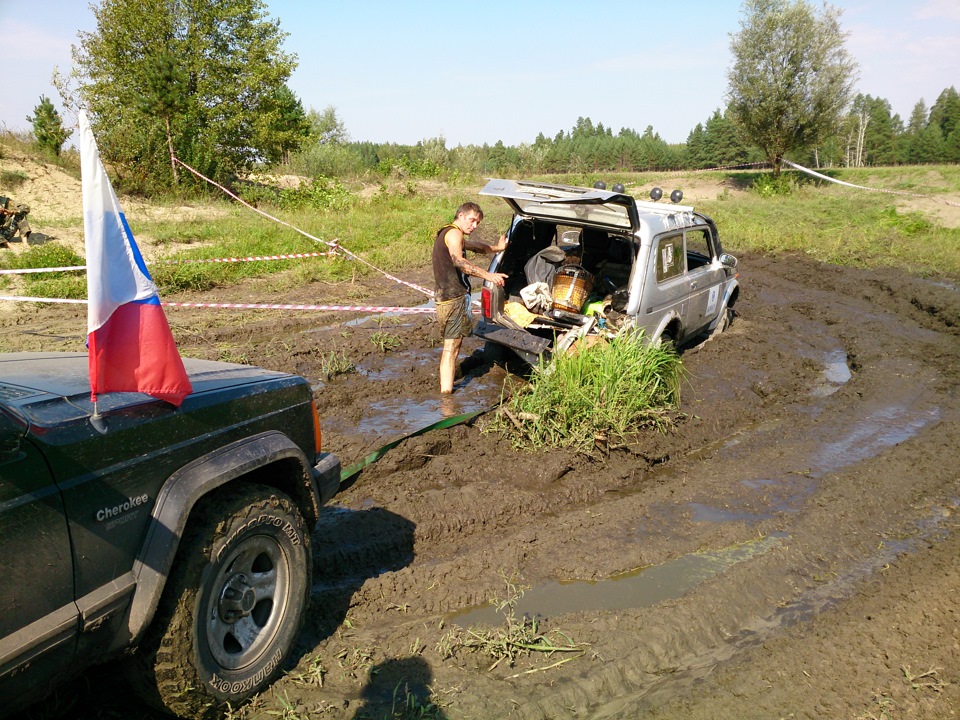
233, 606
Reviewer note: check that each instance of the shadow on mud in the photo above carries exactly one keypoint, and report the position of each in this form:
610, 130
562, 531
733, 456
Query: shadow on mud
350, 547
399, 688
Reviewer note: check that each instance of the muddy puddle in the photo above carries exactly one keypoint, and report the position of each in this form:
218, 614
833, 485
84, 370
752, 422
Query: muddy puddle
752, 500
643, 587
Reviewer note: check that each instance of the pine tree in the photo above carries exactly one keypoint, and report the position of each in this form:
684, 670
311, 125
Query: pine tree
48, 127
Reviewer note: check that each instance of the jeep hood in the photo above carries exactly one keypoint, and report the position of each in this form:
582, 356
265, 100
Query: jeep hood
28, 377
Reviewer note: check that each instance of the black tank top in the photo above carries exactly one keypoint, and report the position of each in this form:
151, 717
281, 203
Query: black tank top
450, 282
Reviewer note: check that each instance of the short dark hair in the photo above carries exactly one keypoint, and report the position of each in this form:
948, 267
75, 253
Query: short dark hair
469, 207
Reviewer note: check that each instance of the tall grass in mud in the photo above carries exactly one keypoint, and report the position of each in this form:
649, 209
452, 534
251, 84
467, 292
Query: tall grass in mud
595, 398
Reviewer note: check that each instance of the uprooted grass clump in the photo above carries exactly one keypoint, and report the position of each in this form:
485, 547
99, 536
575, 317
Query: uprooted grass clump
518, 637
594, 398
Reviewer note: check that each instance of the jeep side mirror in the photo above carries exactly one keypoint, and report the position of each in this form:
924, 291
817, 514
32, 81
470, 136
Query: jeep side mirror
728, 260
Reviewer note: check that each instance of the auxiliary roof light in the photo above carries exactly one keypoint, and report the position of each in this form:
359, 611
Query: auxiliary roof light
656, 194
676, 196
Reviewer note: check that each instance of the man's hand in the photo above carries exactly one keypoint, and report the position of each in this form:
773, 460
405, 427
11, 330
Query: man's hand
496, 278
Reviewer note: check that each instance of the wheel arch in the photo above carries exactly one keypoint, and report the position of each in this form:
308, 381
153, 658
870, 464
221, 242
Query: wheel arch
271, 459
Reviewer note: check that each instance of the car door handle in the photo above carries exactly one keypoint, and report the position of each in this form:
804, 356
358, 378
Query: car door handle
693, 285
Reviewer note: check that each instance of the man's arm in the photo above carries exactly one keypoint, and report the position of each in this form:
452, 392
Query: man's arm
481, 247
455, 244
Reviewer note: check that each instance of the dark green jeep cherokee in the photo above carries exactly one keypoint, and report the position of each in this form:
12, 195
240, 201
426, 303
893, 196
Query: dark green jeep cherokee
179, 537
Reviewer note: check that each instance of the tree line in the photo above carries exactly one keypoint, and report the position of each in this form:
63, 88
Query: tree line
206, 82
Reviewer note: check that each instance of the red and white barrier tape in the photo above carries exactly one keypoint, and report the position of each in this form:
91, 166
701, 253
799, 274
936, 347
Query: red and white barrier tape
252, 258
335, 244
284, 306
252, 306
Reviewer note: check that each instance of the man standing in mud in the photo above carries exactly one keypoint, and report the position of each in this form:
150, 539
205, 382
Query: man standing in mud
451, 271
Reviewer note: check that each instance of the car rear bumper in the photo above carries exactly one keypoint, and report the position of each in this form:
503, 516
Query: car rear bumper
326, 473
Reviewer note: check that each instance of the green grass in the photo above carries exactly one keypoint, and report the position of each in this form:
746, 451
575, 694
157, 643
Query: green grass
595, 398
841, 226
71, 284
391, 230
393, 227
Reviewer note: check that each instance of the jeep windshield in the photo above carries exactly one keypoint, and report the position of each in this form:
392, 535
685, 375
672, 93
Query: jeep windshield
564, 204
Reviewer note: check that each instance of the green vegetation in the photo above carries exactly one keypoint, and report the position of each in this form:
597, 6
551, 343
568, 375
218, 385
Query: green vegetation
48, 127
70, 284
385, 341
334, 363
844, 226
12, 179
203, 81
792, 78
594, 398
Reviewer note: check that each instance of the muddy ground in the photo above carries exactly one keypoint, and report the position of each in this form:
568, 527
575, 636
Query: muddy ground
789, 549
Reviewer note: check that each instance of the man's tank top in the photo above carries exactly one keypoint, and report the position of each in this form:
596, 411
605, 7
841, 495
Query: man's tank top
450, 282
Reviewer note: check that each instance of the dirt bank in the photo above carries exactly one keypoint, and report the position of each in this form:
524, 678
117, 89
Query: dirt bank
789, 549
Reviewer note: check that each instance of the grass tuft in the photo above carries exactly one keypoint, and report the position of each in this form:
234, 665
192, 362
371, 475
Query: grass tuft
594, 398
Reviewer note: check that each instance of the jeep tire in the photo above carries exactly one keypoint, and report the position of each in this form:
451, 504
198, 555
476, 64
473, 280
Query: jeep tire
233, 606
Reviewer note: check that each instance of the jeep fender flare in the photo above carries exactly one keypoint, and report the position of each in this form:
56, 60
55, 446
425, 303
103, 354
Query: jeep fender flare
175, 501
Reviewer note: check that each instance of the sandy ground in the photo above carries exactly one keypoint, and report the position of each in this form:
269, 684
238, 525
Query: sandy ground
788, 550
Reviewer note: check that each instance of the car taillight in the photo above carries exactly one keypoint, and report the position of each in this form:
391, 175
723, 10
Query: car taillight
485, 303
317, 435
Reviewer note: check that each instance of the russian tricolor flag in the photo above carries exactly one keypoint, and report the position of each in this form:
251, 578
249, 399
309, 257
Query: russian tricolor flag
130, 344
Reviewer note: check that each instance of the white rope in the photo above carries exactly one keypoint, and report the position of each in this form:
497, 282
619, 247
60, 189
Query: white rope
801, 168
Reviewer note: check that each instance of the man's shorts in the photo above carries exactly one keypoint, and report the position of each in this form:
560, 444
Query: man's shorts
454, 318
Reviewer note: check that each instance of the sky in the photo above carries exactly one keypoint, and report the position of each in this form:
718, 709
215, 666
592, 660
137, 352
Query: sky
405, 71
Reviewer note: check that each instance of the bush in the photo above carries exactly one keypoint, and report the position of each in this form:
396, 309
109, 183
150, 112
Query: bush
320, 193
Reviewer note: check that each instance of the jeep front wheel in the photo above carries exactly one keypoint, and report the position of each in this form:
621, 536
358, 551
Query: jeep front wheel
234, 603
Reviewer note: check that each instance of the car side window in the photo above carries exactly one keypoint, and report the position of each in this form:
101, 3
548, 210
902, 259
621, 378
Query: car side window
670, 260
699, 250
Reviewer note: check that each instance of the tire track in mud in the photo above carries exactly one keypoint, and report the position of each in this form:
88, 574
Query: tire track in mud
478, 509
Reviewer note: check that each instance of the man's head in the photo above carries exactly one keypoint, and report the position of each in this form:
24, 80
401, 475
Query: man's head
468, 217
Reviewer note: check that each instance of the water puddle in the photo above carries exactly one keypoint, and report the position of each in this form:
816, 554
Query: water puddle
885, 428
639, 588
401, 416
397, 365
786, 494
836, 372
932, 528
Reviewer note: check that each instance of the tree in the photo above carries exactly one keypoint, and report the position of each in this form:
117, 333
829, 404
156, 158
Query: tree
945, 114
281, 125
48, 127
200, 80
326, 127
792, 77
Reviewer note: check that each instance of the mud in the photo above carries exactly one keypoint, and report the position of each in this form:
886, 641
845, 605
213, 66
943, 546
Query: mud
788, 549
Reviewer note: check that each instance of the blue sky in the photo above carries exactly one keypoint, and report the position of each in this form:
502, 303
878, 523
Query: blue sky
478, 73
